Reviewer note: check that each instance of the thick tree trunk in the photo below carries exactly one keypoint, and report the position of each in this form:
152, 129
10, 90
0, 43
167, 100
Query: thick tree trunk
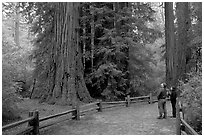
183, 19
170, 45
65, 78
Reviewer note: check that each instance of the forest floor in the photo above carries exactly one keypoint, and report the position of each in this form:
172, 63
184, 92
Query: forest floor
138, 119
44, 109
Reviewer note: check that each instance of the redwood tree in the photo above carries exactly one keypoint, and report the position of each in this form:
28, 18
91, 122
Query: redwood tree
170, 45
58, 56
183, 21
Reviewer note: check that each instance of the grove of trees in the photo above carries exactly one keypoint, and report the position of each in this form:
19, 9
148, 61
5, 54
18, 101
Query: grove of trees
183, 56
67, 52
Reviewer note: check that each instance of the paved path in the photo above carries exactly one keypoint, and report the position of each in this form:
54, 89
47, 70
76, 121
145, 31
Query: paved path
138, 119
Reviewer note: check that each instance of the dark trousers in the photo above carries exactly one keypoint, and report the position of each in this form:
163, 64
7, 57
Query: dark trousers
173, 103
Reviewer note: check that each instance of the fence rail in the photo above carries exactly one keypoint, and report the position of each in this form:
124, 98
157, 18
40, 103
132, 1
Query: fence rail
182, 127
114, 102
56, 115
34, 120
17, 123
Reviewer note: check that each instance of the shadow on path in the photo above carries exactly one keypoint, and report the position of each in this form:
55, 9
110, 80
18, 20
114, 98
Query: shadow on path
138, 119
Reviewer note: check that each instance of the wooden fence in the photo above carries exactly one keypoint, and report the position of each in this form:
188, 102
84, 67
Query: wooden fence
182, 127
34, 120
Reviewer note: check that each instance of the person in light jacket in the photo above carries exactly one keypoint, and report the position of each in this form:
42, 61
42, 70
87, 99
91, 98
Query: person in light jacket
161, 96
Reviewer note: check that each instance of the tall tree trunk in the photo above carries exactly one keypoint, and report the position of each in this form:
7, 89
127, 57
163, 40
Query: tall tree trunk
92, 37
65, 78
114, 9
84, 45
183, 19
170, 45
162, 11
84, 38
17, 31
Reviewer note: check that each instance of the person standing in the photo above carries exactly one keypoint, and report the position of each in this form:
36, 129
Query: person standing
161, 96
173, 96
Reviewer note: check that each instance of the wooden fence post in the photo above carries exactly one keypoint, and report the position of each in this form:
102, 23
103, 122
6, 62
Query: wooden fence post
100, 106
150, 98
178, 120
30, 114
128, 101
76, 113
34, 122
30, 123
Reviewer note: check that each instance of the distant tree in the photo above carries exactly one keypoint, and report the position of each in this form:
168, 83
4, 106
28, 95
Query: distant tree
92, 11
17, 24
15, 58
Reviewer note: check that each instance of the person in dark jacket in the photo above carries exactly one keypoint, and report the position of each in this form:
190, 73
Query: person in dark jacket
161, 96
173, 96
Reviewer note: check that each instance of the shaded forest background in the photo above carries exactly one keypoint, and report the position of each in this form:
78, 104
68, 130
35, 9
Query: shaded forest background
121, 51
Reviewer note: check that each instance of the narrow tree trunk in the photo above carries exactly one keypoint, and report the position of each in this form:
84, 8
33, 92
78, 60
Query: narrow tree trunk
17, 31
170, 45
115, 10
32, 88
84, 44
92, 37
65, 78
162, 11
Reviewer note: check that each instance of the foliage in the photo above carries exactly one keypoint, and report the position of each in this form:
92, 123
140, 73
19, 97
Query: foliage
116, 33
16, 65
119, 46
40, 16
195, 36
192, 98
10, 111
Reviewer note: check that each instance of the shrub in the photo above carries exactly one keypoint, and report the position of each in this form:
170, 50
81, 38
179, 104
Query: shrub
10, 111
192, 99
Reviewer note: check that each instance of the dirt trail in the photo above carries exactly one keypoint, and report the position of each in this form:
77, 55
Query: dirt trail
138, 119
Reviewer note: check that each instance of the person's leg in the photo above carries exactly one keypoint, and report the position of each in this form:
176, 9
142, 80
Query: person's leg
174, 108
160, 108
164, 109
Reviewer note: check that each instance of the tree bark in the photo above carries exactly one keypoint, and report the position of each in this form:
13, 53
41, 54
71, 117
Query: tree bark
84, 42
92, 37
183, 20
170, 45
65, 82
